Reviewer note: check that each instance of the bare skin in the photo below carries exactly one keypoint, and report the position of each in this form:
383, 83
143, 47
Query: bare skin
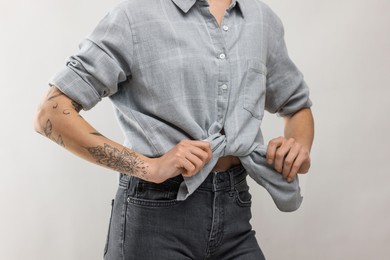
290, 153
217, 9
58, 119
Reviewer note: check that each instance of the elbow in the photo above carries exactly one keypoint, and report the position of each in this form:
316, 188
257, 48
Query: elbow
40, 119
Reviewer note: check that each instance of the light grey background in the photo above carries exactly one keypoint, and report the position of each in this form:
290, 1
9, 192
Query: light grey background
56, 206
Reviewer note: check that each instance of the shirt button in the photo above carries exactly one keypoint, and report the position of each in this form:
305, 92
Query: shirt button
225, 27
224, 87
222, 56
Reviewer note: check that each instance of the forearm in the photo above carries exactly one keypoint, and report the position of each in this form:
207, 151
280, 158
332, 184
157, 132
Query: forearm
300, 127
58, 119
291, 154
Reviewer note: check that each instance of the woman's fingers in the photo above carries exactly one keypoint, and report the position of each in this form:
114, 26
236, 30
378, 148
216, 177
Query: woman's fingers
289, 157
272, 146
192, 164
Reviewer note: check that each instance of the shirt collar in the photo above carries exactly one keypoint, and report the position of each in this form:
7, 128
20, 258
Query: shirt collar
186, 5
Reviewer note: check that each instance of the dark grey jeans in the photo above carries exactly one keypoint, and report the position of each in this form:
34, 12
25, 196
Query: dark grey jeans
147, 222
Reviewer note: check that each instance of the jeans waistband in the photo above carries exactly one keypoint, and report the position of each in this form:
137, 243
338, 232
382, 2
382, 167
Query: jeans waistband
215, 181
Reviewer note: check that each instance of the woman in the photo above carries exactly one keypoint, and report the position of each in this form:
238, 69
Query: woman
189, 81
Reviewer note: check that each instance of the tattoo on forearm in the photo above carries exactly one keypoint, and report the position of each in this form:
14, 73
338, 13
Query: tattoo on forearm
123, 161
48, 130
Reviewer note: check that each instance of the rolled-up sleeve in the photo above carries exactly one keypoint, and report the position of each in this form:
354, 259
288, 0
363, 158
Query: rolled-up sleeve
101, 63
286, 89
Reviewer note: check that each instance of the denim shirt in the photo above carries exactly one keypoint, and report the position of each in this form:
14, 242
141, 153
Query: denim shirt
173, 73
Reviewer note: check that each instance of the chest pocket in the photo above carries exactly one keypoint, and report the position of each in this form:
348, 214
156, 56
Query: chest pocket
254, 88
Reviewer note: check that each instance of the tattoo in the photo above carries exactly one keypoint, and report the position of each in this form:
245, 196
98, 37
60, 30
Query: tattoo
66, 112
96, 133
123, 161
75, 105
48, 130
60, 141
57, 95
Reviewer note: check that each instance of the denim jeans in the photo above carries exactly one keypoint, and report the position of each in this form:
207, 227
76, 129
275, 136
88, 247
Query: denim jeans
147, 222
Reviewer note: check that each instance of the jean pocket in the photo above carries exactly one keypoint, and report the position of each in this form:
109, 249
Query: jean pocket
254, 88
152, 194
109, 228
243, 197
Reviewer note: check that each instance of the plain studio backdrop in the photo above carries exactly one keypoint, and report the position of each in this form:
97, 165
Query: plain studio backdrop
56, 206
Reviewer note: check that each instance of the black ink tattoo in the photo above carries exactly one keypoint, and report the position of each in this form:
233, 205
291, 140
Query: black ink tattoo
123, 161
66, 112
53, 97
75, 105
60, 141
96, 133
48, 130
57, 95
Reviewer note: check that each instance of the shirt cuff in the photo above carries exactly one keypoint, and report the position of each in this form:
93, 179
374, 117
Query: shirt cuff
72, 85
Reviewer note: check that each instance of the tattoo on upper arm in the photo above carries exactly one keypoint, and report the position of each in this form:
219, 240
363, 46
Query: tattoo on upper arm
54, 96
123, 161
76, 106
66, 111
96, 133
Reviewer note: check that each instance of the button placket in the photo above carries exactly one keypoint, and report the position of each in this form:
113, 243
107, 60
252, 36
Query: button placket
224, 75
223, 66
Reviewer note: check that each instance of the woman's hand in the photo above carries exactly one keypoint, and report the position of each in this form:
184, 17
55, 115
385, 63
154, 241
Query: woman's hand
186, 158
289, 157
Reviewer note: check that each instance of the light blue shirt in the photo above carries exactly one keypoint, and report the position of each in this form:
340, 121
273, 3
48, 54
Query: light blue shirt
173, 73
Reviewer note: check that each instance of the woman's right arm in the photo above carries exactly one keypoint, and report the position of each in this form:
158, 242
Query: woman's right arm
59, 120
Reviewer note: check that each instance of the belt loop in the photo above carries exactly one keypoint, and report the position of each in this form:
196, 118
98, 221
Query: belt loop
231, 176
125, 180
214, 188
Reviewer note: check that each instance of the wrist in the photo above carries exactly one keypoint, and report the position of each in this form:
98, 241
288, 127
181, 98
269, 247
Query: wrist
150, 169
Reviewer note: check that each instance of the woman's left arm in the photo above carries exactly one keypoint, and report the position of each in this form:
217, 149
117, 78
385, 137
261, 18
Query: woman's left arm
290, 153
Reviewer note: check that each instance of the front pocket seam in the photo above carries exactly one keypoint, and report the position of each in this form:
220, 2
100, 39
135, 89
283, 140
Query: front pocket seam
109, 228
241, 202
152, 203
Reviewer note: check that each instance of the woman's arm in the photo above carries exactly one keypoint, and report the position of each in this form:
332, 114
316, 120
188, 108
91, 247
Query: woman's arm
58, 119
291, 153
